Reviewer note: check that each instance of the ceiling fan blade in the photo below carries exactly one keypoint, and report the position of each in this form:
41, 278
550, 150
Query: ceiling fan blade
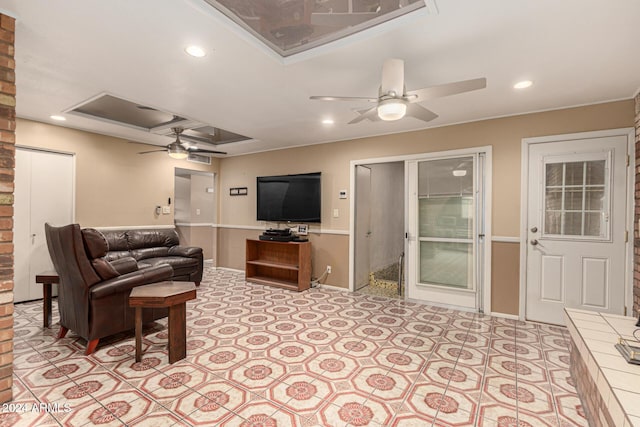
343, 98
446, 89
370, 114
392, 77
152, 151
196, 150
421, 113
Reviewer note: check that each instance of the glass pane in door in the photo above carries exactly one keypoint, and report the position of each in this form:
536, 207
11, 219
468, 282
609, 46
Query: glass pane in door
446, 264
576, 199
446, 222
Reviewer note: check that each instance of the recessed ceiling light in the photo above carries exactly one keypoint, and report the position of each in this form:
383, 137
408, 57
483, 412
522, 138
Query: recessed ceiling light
523, 84
196, 51
58, 118
328, 122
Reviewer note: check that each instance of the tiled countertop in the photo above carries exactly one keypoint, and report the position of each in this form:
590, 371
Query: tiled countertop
595, 335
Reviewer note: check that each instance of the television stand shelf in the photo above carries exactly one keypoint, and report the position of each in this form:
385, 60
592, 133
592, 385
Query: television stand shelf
280, 264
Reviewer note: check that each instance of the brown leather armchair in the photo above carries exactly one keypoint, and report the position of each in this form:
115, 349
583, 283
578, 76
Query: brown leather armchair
93, 295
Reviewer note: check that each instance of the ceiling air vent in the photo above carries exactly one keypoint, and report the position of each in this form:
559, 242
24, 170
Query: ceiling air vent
112, 109
197, 158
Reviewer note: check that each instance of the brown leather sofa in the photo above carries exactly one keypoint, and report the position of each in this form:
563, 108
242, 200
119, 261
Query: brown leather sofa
153, 247
93, 296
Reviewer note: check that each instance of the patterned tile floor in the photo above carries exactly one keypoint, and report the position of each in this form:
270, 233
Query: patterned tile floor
261, 356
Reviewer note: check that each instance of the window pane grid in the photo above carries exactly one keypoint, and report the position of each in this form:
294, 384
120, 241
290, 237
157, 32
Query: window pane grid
575, 198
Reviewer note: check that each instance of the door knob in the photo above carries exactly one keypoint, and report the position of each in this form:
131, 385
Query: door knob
534, 242
534, 229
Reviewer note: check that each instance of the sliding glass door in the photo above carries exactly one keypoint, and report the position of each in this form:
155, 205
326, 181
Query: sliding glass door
445, 207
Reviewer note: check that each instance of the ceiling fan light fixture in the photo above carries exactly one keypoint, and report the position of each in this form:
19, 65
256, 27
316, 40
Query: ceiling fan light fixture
392, 109
176, 151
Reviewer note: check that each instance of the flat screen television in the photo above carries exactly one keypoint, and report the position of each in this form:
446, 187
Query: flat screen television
291, 198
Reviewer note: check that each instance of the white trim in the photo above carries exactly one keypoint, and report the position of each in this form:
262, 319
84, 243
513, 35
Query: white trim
132, 227
488, 150
440, 304
505, 315
631, 171
235, 270
262, 228
524, 204
241, 227
195, 224
337, 288
45, 150
505, 239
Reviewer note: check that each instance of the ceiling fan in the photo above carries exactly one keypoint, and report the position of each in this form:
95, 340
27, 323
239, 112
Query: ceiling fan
181, 150
394, 101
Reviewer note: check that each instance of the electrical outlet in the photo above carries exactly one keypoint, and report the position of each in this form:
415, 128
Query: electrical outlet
166, 210
328, 269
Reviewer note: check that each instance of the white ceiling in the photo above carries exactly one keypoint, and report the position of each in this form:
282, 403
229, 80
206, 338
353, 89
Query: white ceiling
576, 52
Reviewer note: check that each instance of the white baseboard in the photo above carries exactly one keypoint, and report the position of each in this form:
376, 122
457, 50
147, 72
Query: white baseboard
505, 315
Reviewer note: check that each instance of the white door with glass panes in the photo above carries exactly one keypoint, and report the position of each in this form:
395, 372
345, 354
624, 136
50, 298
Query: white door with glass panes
443, 230
576, 227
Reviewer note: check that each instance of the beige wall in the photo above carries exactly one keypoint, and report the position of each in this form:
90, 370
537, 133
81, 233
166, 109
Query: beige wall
505, 276
504, 135
114, 185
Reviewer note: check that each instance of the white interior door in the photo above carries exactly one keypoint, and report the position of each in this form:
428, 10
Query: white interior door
44, 187
443, 230
362, 226
576, 227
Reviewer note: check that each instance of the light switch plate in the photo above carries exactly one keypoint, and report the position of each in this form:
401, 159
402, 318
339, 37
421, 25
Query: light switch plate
343, 194
166, 210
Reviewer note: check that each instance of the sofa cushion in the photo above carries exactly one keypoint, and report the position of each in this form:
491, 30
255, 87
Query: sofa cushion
116, 239
139, 239
104, 269
95, 243
180, 265
151, 252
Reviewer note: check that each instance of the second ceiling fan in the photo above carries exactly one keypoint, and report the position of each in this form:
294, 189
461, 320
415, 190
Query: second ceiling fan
394, 101
181, 150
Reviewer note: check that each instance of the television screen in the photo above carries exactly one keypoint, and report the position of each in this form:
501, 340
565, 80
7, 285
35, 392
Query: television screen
294, 198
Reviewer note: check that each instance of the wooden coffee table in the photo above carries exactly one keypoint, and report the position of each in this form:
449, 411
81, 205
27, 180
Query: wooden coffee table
173, 295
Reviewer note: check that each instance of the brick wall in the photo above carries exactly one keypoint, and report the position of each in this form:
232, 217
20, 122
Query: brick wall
636, 246
7, 162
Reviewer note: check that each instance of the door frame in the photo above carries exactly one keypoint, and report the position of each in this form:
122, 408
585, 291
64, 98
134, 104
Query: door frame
524, 206
488, 189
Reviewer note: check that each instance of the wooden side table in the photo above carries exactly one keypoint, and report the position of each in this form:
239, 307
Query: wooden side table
165, 294
47, 278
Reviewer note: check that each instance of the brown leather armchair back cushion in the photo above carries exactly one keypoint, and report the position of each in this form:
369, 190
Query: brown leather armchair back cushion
69, 256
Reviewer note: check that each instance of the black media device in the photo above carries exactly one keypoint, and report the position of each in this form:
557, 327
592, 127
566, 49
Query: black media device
289, 198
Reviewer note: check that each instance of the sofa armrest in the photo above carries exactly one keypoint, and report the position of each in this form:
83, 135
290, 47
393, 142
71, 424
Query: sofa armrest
186, 251
128, 281
125, 265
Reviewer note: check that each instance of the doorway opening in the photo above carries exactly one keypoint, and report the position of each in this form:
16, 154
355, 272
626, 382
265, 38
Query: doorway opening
432, 214
195, 209
379, 229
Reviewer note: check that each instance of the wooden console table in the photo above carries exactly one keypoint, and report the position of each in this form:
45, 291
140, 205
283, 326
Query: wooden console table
47, 278
165, 294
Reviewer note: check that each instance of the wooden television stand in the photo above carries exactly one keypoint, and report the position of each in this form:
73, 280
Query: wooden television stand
281, 264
